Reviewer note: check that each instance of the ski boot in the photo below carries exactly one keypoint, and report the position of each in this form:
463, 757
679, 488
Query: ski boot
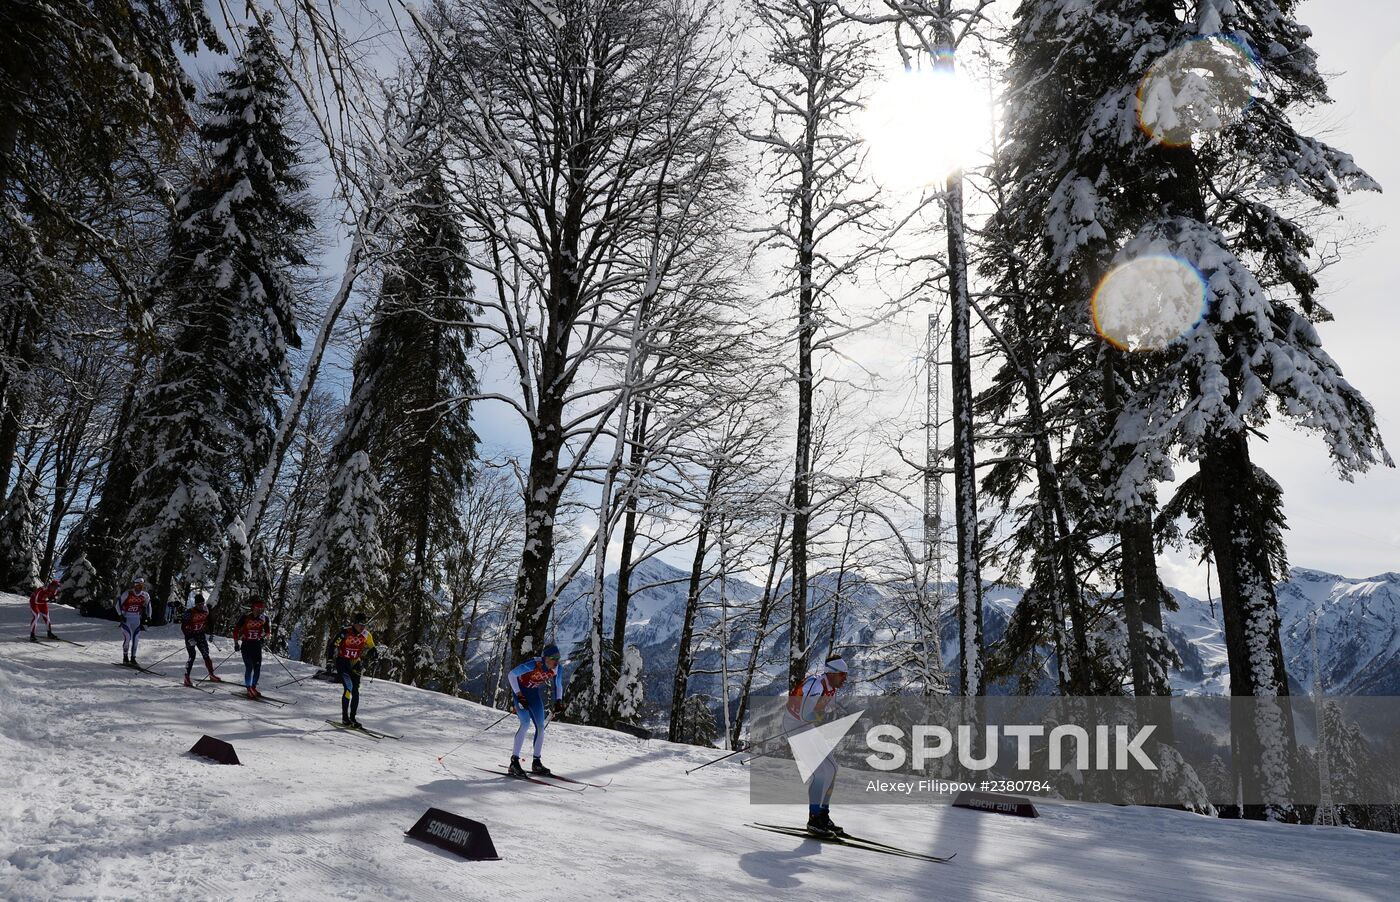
134, 662
256, 692
212, 678
355, 724
345, 721
125, 659
252, 693
51, 635
33, 638
515, 770
820, 824
537, 767
187, 681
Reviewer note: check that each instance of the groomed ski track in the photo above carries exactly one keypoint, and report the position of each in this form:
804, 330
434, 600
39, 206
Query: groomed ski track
101, 801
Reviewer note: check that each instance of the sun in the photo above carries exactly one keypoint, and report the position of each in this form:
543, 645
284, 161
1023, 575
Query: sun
922, 126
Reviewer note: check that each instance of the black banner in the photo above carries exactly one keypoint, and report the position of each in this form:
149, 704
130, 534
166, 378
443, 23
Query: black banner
215, 750
462, 836
996, 803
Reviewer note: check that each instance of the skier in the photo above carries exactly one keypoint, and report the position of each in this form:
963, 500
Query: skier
134, 611
193, 625
527, 681
248, 635
353, 647
39, 608
809, 704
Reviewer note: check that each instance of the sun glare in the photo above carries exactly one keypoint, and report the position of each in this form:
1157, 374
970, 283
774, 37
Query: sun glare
923, 126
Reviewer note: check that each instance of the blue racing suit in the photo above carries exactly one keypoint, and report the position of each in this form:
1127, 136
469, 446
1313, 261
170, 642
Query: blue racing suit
527, 681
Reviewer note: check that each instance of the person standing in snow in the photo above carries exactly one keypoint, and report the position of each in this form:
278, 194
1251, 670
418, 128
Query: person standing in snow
527, 681
248, 636
134, 611
39, 608
810, 703
353, 647
193, 624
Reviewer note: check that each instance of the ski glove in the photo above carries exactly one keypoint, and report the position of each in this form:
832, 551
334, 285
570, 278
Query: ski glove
520, 700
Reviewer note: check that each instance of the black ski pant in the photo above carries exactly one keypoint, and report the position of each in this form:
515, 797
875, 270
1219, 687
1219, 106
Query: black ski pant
197, 642
349, 678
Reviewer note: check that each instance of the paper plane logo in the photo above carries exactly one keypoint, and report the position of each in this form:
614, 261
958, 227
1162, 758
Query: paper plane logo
811, 747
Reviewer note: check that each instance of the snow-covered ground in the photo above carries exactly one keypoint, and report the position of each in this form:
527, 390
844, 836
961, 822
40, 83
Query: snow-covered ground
101, 801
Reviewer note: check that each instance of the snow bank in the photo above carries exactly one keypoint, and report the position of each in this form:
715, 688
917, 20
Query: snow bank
101, 802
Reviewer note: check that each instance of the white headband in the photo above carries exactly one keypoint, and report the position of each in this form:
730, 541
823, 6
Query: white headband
836, 665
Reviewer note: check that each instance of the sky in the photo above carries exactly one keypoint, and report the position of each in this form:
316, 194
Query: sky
1348, 528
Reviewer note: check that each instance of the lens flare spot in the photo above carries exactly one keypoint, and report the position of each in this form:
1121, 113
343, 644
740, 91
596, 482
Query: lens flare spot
921, 126
1198, 89
1146, 304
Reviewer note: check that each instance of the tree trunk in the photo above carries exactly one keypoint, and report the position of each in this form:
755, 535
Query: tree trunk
1262, 738
964, 454
100, 540
629, 530
765, 612
692, 606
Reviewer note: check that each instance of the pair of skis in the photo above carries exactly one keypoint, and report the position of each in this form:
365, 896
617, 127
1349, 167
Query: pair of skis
544, 780
853, 842
137, 667
40, 640
366, 732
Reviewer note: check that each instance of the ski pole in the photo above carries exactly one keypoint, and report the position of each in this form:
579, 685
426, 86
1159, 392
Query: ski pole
278, 658
217, 666
294, 682
473, 736
741, 751
169, 656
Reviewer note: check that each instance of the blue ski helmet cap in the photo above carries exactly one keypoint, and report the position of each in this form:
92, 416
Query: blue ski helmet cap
550, 651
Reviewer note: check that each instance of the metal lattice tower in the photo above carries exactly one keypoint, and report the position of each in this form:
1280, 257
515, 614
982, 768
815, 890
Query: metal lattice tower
1326, 811
933, 503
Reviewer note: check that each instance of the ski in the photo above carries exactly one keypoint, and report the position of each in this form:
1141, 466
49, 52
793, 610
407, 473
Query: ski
137, 668
243, 691
363, 732
572, 780
371, 734
260, 699
854, 842
531, 779
44, 639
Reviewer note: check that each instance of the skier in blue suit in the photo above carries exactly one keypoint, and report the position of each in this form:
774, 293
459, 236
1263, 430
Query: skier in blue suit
527, 681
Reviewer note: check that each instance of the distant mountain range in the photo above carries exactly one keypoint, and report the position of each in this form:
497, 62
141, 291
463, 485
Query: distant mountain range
1358, 630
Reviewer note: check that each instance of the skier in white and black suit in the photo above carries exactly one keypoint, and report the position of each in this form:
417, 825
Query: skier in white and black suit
133, 610
809, 704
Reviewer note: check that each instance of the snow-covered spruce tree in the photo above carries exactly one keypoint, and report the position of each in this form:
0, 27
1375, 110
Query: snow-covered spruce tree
698, 725
409, 412
630, 693
808, 99
1099, 183
345, 568
79, 586
239, 233
81, 85
19, 536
